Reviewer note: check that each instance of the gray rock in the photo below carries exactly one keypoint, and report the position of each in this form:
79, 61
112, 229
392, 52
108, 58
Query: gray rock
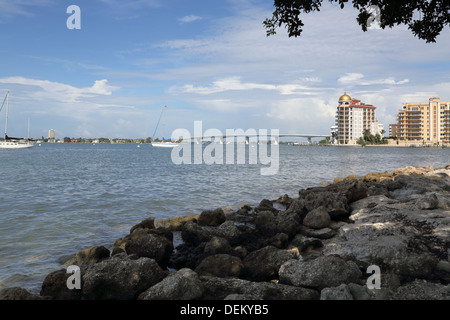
120, 278
220, 288
270, 223
322, 272
263, 264
16, 293
55, 286
423, 290
280, 240
211, 217
227, 230
145, 224
335, 203
306, 244
193, 234
428, 202
298, 207
220, 265
236, 296
150, 245
287, 222
89, 256
265, 222
443, 270
317, 218
182, 285
240, 252
324, 233
405, 240
361, 292
341, 292
335, 197
217, 245
266, 205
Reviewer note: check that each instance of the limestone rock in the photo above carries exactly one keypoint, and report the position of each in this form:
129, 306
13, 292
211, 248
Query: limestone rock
217, 245
120, 278
55, 286
148, 244
423, 290
341, 292
212, 217
322, 272
317, 218
194, 234
220, 265
181, 285
148, 223
176, 223
263, 264
89, 256
16, 293
219, 288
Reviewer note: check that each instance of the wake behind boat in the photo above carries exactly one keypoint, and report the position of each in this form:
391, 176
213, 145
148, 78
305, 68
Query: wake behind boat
164, 143
10, 142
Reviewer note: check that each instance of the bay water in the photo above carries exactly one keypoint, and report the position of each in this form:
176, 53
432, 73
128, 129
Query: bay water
57, 199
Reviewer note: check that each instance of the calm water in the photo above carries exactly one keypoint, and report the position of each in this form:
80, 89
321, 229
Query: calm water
57, 199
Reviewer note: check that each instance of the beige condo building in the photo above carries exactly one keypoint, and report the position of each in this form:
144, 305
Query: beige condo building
427, 122
353, 117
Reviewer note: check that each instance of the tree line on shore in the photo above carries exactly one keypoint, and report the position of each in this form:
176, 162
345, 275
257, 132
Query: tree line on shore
102, 140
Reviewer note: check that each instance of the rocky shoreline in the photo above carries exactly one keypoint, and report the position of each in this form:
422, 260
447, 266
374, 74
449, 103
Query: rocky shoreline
318, 245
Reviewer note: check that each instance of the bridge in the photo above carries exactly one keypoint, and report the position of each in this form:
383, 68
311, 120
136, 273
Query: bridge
275, 137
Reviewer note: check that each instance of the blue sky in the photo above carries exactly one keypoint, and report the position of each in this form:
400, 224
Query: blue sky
205, 60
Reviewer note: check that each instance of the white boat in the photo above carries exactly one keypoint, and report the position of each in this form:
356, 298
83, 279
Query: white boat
164, 143
9, 142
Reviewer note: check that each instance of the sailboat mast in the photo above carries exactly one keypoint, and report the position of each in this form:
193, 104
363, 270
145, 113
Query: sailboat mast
164, 121
7, 109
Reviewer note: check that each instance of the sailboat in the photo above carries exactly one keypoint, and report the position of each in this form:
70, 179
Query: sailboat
164, 143
10, 142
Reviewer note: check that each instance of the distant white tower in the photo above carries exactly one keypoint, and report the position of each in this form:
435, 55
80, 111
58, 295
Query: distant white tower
51, 135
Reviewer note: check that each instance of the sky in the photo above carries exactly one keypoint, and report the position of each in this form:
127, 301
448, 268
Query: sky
208, 61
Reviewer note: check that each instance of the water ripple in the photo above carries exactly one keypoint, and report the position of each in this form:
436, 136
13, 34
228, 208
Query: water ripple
58, 199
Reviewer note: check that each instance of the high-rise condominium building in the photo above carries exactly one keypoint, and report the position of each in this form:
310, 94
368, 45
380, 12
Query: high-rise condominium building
353, 117
429, 121
51, 135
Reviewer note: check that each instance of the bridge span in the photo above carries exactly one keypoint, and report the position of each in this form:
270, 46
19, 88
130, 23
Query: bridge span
274, 138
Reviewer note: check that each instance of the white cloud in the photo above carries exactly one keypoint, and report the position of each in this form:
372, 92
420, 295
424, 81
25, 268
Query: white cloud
312, 79
231, 68
296, 82
101, 87
357, 79
9, 9
235, 84
60, 91
190, 18
387, 81
350, 78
